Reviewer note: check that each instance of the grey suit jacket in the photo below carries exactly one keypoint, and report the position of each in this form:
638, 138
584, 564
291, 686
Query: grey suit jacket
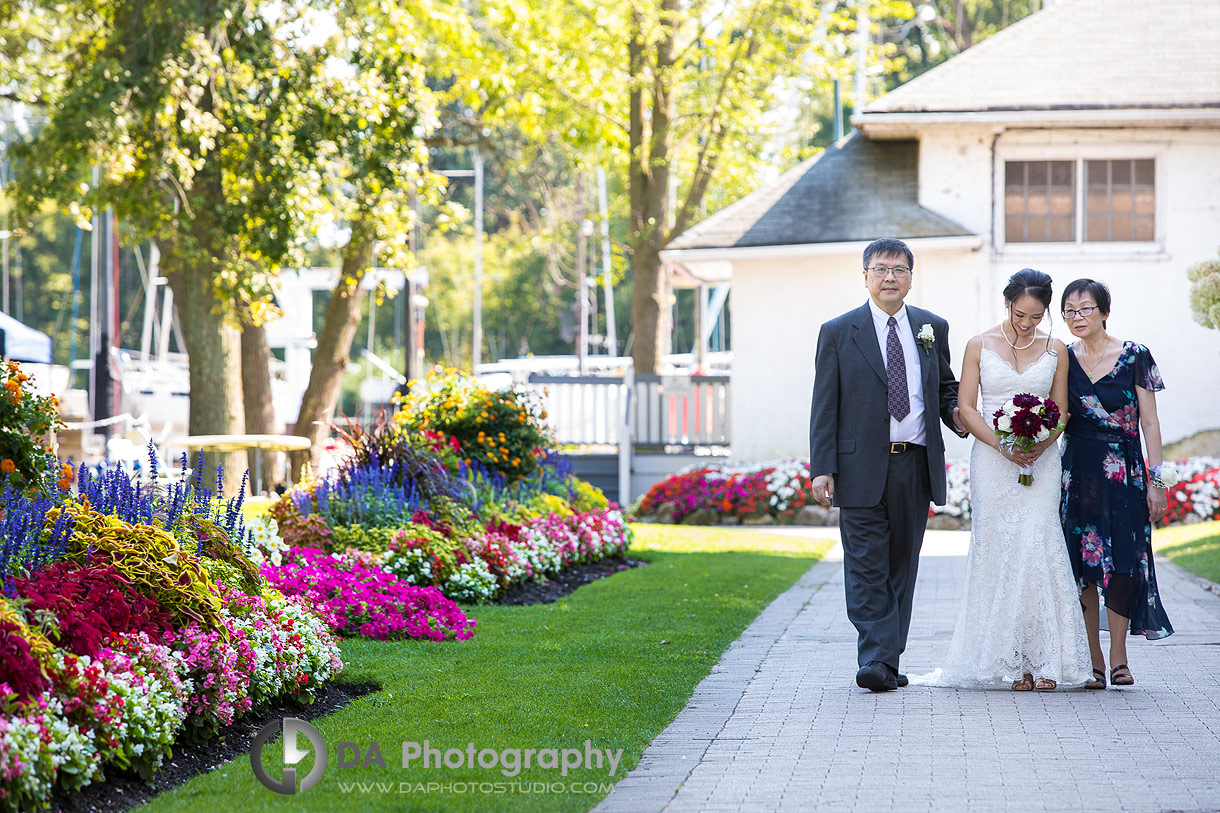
849, 425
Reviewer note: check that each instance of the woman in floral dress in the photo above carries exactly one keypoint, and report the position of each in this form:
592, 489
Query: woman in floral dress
1109, 504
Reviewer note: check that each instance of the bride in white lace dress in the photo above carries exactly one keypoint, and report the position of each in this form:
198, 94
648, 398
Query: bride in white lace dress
1020, 623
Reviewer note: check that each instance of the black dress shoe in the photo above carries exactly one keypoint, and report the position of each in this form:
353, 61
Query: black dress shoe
901, 680
876, 677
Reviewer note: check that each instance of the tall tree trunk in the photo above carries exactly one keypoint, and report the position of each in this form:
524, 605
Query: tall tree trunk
213, 345
256, 398
648, 303
334, 347
648, 181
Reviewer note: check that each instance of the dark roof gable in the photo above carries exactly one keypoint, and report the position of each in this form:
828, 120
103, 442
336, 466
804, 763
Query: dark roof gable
856, 190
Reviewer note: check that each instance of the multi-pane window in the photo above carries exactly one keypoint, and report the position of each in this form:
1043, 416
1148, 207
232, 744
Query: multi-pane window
1117, 203
1040, 201
1120, 200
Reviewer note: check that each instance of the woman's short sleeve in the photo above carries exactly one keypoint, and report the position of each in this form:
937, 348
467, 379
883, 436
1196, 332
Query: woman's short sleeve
1146, 373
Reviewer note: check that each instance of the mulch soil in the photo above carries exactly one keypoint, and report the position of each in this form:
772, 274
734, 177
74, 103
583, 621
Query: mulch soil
124, 791
561, 584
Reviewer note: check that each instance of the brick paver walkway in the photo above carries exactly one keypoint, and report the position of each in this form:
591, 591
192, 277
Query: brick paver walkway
780, 725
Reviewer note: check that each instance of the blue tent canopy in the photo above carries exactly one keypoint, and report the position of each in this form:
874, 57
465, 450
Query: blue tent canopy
21, 343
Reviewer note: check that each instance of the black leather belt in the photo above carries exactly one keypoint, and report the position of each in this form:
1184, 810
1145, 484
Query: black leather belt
902, 446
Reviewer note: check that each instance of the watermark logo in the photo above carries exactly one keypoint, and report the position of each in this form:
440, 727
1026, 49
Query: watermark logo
287, 784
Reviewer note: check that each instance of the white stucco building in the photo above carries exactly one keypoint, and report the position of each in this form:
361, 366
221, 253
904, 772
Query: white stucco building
1083, 141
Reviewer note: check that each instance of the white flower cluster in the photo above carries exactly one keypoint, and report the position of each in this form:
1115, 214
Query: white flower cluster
784, 482
537, 550
412, 565
473, 583
263, 543
40, 748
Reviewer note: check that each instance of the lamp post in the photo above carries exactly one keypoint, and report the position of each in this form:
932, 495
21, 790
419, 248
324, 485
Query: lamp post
477, 339
477, 174
582, 292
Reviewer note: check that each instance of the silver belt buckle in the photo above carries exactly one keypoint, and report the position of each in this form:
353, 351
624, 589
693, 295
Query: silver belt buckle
898, 447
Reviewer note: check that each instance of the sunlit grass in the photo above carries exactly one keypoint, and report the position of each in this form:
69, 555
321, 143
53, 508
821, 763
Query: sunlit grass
1194, 547
613, 664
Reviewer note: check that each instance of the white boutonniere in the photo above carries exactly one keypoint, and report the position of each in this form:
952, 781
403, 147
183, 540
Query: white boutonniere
926, 337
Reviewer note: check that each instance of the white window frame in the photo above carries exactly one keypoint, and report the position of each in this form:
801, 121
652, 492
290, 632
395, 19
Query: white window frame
1080, 248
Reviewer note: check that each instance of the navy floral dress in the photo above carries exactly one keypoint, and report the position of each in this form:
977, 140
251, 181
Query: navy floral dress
1105, 493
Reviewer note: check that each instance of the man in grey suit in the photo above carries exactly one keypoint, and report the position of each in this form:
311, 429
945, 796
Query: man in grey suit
882, 379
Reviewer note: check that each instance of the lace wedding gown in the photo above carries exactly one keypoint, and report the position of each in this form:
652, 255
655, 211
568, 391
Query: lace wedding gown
1021, 610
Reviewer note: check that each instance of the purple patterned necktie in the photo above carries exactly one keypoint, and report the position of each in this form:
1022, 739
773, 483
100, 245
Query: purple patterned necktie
896, 372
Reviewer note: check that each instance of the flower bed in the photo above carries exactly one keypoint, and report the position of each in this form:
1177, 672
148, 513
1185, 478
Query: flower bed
415, 513
130, 618
780, 493
129, 621
777, 492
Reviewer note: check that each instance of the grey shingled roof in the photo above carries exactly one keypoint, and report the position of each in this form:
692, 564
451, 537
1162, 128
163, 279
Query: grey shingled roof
1077, 55
856, 190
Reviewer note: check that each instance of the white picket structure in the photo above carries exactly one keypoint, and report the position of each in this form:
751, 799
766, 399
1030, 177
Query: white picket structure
680, 410
669, 413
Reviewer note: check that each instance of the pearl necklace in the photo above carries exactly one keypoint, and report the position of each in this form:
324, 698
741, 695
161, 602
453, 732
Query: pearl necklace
1014, 346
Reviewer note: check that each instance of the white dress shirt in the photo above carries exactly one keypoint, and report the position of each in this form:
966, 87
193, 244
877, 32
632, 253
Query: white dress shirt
911, 428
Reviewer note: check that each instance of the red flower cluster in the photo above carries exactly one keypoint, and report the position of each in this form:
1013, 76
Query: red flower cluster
733, 493
508, 529
92, 604
19, 669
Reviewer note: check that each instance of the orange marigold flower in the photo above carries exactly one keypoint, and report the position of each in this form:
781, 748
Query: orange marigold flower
7, 466
12, 385
65, 483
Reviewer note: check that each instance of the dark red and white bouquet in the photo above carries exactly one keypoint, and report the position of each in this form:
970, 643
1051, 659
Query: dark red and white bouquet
1024, 421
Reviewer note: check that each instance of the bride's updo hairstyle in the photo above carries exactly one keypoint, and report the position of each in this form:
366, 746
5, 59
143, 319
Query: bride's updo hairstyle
1029, 282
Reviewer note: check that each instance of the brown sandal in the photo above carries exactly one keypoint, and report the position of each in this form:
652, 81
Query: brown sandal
1044, 685
1025, 684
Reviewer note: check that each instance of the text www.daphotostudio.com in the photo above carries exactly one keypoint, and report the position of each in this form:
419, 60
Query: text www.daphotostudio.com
460, 788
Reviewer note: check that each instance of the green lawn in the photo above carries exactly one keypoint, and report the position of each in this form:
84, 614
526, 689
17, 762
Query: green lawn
613, 664
1194, 547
